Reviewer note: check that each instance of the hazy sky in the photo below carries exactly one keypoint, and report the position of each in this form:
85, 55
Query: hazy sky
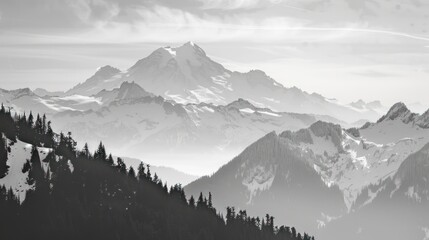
344, 49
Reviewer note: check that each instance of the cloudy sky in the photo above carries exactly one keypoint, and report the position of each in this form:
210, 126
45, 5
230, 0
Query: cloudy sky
344, 49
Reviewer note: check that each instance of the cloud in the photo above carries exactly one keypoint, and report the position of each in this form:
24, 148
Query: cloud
237, 4
114, 21
374, 74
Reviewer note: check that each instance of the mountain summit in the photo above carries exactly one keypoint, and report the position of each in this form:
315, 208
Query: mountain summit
185, 74
400, 112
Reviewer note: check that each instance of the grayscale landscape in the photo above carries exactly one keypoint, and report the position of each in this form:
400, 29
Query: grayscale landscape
214, 119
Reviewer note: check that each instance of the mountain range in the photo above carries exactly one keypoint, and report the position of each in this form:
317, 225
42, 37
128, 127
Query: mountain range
183, 104
186, 74
338, 172
310, 161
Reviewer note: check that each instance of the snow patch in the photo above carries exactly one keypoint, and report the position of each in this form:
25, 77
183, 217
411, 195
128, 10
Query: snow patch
79, 99
171, 51
247, 110
257, 180
426, 232
208, 109
413, 194
270, 113
51, 105
15, 178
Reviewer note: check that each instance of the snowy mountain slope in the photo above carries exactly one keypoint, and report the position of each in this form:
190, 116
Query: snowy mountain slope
160, 129
21, 100
186, 74
353, 161
399, 202
105, 77
410, 182
24, 100
44, 93
125, 91
348, 160
15, 179
147, 127
270, 175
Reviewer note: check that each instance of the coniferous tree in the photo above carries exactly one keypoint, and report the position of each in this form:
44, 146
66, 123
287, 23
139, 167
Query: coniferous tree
121, 165
141, 171
210, 204
35, 173
100, 153
7, 124
200, 201
3, 156
30, 120
49, 140
155, 178
38, 130
44, 124
293, 232
192, 201
132, 173
110, 160
148, 174
85, 151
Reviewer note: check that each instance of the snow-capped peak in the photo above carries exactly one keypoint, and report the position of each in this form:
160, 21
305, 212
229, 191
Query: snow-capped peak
15, 94
127, 91
241, 103
106, 71
188, 54
191, 47
22, 92
398, 111
131, 90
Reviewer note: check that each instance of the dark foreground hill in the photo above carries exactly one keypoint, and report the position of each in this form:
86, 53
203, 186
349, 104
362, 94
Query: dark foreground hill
75, 194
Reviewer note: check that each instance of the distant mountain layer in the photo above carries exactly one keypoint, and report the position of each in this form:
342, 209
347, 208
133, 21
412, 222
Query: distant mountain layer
136, 123
149, 127
186, 74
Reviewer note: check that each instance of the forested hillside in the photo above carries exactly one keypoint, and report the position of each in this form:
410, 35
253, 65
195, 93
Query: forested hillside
76, 194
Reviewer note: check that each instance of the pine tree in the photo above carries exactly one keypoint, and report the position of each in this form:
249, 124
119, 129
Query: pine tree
192, 201
100, 153
49, 141
71, 143
38, 130
210, 204
44, 126
7, 124
132, 173
30, 120
3, 156
35, 172
141, 171
121, 165
148, 174
293, 232
200, 201
110, 160
155, 178
85, 151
